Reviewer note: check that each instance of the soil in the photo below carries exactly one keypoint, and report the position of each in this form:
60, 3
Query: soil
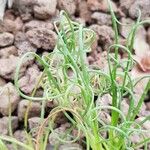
28, 27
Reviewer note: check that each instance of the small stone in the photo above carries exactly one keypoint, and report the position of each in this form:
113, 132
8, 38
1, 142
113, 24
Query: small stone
49, 147
148, 106
101, 61
10, 146
23, 6
102, 18
35, 109
26, 17
20, 135
6, 39
19, 24
104, 117
124, 107
7, 25
11, 25
105, 100
22, 43
51, 104
84, 12
2, 82
105, 35
7, 51
4, 124
34, 122
28, 82
105, 32
125, 5
3, 127
146, 124
135, 138
8, 66
143, 111
67, 5
60, 119
94, 4
72, 146
59, 132
39, 92
100, 5
75, 132
9, 14
9, 99
42, 38
142, 5
43, 9
80, 21
91, 60
141, 37
125, 29
38, 24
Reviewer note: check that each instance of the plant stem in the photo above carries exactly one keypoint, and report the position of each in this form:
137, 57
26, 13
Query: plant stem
137, 109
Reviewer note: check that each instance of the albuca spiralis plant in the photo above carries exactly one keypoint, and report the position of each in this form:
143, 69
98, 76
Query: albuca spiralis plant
73, 85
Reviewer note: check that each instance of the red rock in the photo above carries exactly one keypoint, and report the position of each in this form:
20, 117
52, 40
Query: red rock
42, 38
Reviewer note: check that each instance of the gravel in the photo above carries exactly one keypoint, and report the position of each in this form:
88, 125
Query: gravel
6, 39
9, 99
34, 110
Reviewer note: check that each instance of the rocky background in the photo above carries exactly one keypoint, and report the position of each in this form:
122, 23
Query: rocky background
28, 26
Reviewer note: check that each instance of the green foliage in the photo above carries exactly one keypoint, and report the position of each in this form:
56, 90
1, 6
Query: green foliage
2, 146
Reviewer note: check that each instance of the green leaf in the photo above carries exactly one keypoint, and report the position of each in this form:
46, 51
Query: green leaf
2, 146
